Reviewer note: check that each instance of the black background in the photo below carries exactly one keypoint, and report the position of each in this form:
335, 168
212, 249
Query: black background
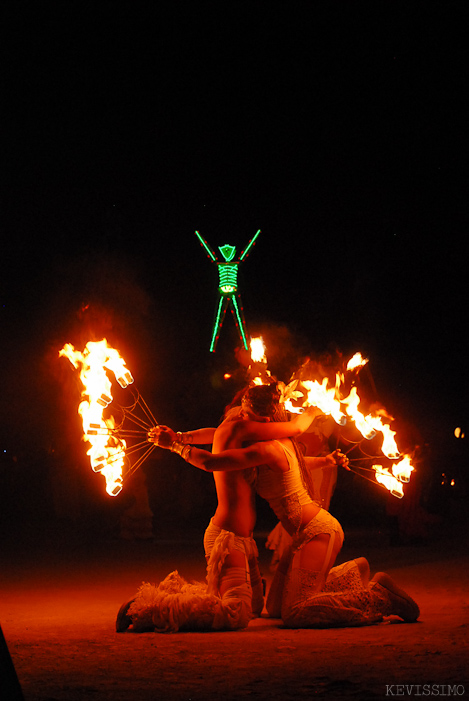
338, 129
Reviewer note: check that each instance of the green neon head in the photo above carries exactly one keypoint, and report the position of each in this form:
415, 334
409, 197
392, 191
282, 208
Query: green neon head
227, 251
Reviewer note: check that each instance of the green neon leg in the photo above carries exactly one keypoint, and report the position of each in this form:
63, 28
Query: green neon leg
239, 319
220, 315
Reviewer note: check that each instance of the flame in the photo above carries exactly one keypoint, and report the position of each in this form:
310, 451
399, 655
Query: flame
403, 469
293, 409
324, 398
107, 451
370, 424
328, 399
260, 375
384, 477
356, 361
364, 426
258, 350
389, 446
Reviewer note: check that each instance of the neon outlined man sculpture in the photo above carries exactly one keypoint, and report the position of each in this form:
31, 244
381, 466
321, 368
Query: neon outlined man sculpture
228, 287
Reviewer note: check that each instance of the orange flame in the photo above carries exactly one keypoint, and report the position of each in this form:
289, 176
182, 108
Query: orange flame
258, 370
384, 477
107, 451
356, 361
369, 425
293, 409
402, 470
324, 398
329, 401
258, 350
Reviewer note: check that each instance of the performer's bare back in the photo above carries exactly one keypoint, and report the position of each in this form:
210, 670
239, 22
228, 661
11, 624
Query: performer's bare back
236, 499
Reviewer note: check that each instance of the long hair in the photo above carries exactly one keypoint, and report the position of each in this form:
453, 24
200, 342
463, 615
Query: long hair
264, 400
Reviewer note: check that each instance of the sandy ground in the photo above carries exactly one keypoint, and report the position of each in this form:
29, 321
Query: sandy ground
58, 608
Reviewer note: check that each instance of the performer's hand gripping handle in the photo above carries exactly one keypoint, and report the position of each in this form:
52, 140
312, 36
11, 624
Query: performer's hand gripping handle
163, 436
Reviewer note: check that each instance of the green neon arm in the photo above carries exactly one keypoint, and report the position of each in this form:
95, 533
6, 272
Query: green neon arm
248, 247
204, 243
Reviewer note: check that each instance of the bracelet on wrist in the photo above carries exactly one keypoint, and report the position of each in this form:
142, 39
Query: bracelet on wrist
183, 450
184, 437
177, 447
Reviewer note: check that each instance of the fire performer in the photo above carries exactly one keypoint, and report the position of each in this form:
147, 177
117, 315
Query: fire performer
314, 595
234, 592
314, 443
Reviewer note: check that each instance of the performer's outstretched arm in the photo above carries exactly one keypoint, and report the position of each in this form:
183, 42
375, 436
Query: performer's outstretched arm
331, 460
263, 453
243, 430
199, 436
227, 460
275, 430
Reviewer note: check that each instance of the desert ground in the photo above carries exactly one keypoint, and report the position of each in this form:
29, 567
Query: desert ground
60, 596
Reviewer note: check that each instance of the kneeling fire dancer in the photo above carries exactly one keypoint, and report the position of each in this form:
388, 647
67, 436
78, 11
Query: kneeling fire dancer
233, 594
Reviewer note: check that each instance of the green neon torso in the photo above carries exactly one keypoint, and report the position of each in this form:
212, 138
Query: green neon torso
228, 278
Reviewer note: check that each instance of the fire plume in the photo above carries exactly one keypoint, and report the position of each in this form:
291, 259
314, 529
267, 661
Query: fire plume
324, 398
107, 450
327, 397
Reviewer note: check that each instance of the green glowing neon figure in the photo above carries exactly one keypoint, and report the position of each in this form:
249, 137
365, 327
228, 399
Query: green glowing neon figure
228, 288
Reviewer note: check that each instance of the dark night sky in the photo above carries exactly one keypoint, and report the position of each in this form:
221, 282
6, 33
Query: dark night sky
338, 129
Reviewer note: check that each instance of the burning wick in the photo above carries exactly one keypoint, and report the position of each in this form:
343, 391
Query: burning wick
383, 476
258, 350
258, 370
356, 361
